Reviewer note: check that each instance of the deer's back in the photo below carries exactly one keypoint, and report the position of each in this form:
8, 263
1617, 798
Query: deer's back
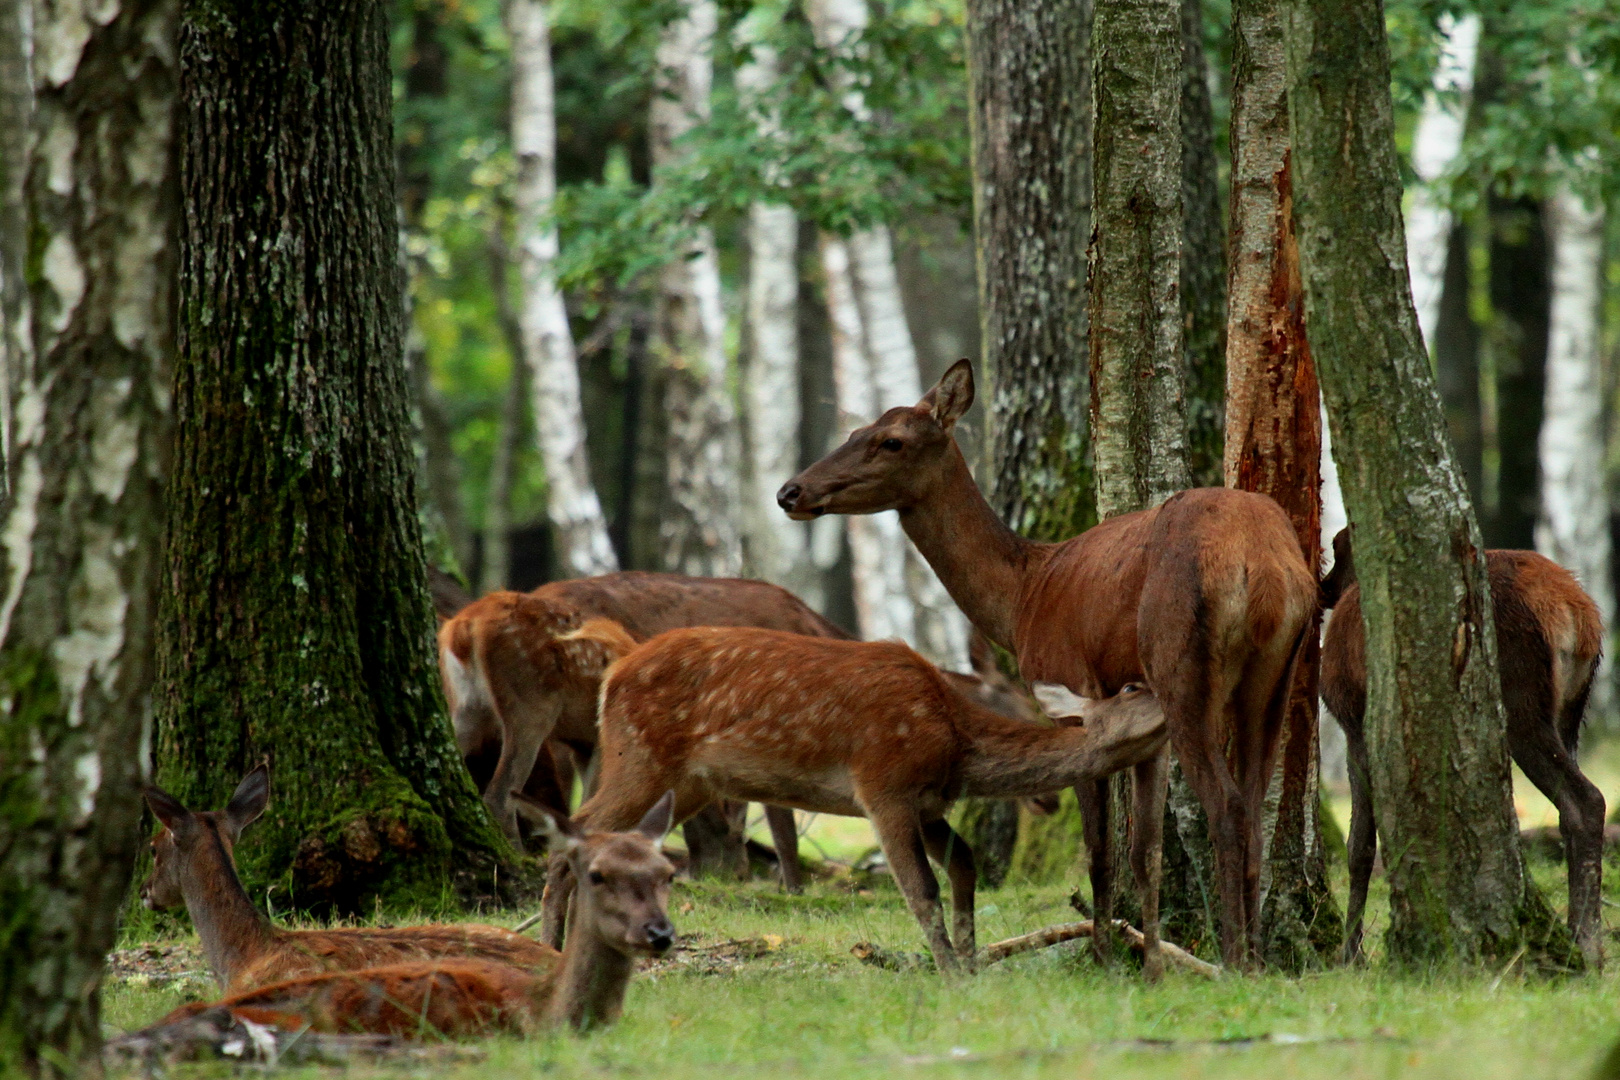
1212, 561
307, 953
647, 604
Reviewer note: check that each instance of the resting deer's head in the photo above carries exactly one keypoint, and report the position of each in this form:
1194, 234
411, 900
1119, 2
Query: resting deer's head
1343, 574
890, 465
622, 895
189, 835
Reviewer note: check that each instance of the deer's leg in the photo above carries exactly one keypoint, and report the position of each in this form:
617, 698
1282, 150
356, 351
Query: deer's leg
1362, 843
1150, 784
948, 849
1549, 765
900, 834
525, 726
785, 838
1203, 761
1266, 692
1093, 799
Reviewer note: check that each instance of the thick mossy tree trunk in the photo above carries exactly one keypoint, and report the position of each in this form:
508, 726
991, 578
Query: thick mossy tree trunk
296, 624
1137, 364
1458, 885
1030, 76
80, 559
1274, 446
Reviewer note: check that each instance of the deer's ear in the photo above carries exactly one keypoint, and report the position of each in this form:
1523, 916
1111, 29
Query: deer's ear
951, 396
1058, 701
252, 795
655, 823
562, 834
166, 808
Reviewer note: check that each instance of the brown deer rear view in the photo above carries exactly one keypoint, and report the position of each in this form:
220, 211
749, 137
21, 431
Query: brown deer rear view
622, 914
1549, 636
193, 866
864, 729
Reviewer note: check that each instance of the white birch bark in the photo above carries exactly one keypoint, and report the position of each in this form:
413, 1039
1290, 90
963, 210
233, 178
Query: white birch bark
577, 522
701, 532
939, 630
1573, 529
1435, 144
16, 107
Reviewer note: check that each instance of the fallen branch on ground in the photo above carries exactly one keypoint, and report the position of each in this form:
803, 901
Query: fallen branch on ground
868, 953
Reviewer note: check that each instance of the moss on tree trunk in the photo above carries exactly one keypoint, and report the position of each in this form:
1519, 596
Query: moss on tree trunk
296, 624
1458, 885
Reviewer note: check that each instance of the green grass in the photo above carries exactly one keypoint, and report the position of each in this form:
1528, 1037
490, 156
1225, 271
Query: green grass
807, 1008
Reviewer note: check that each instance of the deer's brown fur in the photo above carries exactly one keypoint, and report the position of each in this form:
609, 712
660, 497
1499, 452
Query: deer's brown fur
855, 728
194, 866
1549, 636
1205, 598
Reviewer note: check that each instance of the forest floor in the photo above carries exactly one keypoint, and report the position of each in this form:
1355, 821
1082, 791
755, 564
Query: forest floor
764, 985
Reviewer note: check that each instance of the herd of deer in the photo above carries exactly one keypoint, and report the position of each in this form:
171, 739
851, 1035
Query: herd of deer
1175, 628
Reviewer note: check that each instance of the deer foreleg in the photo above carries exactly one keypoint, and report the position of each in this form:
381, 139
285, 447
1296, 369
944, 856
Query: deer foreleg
785, 837
1362, 843
948, 849
1093, 799
899, 833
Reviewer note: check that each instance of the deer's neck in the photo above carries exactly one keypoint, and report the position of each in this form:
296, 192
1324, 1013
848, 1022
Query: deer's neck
1014, 760
980, 561
232, 930
590, 990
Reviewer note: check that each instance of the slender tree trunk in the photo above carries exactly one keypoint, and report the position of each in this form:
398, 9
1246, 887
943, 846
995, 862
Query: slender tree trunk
295, 621
1274, 446
80, 554
1574, 526
1030, 80
1458, 886
1137, 366
1435, 144
938, 629
1456, 365
1521, 312
496, 569
701, 532
578, 528
16, 109
1203, 262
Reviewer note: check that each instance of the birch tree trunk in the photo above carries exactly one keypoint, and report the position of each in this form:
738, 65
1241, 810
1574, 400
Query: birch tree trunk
82, 533
578, 527
295, 616
1574, 526
1435, 143
1137, 370
1458, 886
938, 629
1273, 446
701, 531
16, 109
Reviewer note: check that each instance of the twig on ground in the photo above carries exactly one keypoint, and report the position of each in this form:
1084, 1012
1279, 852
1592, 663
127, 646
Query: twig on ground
878, 956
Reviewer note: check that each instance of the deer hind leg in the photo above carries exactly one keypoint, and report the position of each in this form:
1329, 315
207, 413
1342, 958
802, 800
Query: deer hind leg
1544, 758
1203, 761
900, 834
1150, 785
525, 726
1093, 799
1363, 840
1263, 698
785, 838
950, 851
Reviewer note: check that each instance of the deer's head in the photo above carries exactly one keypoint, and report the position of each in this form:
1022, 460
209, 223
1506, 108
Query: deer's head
191, 840
890, 465
622, 895
1343, 574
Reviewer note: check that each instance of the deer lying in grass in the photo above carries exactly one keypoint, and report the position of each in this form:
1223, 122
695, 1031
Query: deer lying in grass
862, 729
513, 679
1205, 598
620, 915
1549, 636
193, 866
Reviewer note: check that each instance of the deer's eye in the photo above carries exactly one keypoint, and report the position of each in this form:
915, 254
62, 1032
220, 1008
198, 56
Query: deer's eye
892, 444
596, 877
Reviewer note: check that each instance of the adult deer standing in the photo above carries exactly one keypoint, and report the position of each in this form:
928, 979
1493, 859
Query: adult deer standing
1204, 598
864, 729
622, 914
514, 679
1549, 636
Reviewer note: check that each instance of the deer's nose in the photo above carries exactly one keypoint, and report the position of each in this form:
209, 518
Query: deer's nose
660, 935
788, 497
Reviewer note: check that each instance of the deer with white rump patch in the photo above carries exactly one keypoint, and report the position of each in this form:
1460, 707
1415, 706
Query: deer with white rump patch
862, 729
